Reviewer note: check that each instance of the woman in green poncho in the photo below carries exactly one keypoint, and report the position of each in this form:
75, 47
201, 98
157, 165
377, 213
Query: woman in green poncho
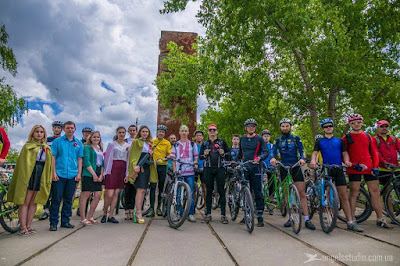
32, 178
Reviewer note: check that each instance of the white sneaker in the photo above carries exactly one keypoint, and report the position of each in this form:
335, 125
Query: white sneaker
192, 219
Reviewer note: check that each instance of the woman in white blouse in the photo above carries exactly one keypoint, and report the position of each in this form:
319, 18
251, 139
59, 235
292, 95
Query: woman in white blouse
116, 167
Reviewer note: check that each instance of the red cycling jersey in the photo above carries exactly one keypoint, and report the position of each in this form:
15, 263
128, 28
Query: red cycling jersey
387, 150
360, 152
6, 143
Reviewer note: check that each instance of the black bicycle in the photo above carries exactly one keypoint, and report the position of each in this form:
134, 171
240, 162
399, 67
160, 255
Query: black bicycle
391, 194
8, 210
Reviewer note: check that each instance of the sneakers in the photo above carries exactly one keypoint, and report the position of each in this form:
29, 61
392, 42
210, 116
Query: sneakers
260, 222
150, 213
310, 225
242, 221
159, 213
192, 219
103, 219
53, 228
271, 212
44, 216
112, 220
224, 220
68, 225
382, 223
354, 227
288, 223
206, 219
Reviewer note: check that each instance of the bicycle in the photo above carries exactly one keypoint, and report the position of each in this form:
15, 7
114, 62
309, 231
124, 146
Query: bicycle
8, 210
323, 196
239, 194
391, 194
270, 184
287, 196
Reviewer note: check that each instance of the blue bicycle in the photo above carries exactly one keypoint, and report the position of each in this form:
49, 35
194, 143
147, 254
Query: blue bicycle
322, 195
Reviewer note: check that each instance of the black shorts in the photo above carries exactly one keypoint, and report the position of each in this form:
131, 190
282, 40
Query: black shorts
297, 175
357, 177
89, 185
36, 177
338, 176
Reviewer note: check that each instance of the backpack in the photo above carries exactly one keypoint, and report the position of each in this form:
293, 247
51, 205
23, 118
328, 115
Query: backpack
350, 140
378, 140
294, 140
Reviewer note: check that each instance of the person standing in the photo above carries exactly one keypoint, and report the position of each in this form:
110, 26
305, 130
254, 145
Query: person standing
57, 130
199, 172
213, 152
67, 169
85, 134
129, 189
31, 180
141, 167
132, 130
186, 152
116, 169
92, 176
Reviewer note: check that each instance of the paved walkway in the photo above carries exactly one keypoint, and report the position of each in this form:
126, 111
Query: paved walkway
155, 243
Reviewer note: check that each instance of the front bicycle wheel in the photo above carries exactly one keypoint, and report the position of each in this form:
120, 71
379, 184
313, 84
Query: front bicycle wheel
248, 209
295, 211
392, 203
328, 208
178, 210
8, 214
363, 207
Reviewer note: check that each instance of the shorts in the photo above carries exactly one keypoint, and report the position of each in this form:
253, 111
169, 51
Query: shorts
297, 174
89, 185
338, 176
36, 177
357, 178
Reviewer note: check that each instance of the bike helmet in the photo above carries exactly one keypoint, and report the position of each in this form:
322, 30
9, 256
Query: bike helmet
57, 124
354, 117
265, 131
162, 127
317, 137
250, 121
198, 131
285, 120
87, 129
326, 121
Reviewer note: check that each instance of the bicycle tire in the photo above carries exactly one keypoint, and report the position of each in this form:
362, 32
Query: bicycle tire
363, 203
333, 199
248, 209
13, 226
283, 204
294, 205
200, 199
393, 216
146, 203
311, 197
183, 189
232, 204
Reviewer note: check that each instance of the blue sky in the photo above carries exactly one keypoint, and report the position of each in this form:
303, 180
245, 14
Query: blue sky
90, 61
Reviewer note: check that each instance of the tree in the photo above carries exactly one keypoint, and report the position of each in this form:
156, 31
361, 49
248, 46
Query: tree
12, 156
326, 58
11, 106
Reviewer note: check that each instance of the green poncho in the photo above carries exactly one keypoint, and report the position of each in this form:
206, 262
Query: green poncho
134, 155
23, 171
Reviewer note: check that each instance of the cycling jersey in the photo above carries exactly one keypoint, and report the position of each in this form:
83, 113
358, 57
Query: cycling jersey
269, 146
290, 147
50, 140
251, 148
200, 162
331, 150
6, 143
235, 154
213, 159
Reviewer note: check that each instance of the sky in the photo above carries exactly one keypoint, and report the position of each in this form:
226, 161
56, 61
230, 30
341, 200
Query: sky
90, 61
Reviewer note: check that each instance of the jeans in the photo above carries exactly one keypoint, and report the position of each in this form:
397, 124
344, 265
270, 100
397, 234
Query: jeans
210, 175
190, 181
62, 190
255, 177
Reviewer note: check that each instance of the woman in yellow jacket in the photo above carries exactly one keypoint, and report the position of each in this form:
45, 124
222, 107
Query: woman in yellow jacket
32, 177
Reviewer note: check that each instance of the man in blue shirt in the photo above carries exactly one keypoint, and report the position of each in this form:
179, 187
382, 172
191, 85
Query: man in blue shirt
67, 168
292, 151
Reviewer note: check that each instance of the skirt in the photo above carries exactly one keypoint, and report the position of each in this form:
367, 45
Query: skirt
116, 179
36, 177
89, 185
142, 180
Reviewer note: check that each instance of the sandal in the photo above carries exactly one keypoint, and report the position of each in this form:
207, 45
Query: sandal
31, 231
24, 232
86, 222
93, 221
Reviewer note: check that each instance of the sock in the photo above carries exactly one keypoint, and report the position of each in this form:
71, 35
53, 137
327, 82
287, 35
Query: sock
259, 215
306, 218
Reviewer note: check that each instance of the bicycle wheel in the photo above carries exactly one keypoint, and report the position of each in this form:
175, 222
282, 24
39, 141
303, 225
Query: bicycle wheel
248, 209
146, 203
200, 199
8, 214
178, 211
295, 211
232, 204
363, 207
164, 206
311, 198
283, 204
392, 203
328, 210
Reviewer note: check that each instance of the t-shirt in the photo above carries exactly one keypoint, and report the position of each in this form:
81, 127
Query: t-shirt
331, 150
234, 154
186, 153
162, 149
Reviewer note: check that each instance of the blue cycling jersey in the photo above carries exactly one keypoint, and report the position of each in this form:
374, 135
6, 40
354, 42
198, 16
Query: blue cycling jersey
331, 150
290, 147
200, 162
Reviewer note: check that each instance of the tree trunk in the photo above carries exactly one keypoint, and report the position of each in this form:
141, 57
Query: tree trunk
332, 102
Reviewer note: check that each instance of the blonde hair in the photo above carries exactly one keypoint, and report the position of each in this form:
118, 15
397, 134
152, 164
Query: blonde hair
30, 136
149, 138
89, 140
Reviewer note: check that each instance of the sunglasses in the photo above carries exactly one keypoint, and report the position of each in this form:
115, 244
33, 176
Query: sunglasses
328, 126
212, 129
355, 122
381, 126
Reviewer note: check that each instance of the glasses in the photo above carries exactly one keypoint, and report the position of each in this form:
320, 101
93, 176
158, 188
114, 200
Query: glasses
251, 125
328, 126
382, 126
212, 129
355, 122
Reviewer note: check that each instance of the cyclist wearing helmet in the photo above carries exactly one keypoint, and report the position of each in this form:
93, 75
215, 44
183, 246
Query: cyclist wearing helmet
253, 147
162, 148
85, 134
6, 146
365, 159
199, 172
291, 150
333, 152
57, 129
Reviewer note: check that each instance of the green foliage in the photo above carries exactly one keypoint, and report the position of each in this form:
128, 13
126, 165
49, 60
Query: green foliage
12, 156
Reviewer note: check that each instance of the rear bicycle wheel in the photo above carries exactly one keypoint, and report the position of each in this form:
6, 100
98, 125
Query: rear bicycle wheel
363, 207
392, 203
328, 210
295, 212
8, 214
248, 208
178, 211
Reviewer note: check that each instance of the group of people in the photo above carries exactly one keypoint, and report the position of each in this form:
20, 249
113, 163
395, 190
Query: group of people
49, 168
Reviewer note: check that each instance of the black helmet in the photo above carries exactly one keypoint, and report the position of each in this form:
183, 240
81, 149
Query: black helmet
57, 124
87, 129
285, 120
250, 121
162, 127
198, 131
265, 131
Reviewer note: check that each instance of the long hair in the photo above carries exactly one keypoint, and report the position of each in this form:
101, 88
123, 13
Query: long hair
31, 138
116, 132
139, 134
89, 140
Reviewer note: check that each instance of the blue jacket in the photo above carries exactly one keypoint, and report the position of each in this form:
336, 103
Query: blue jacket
290, 147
